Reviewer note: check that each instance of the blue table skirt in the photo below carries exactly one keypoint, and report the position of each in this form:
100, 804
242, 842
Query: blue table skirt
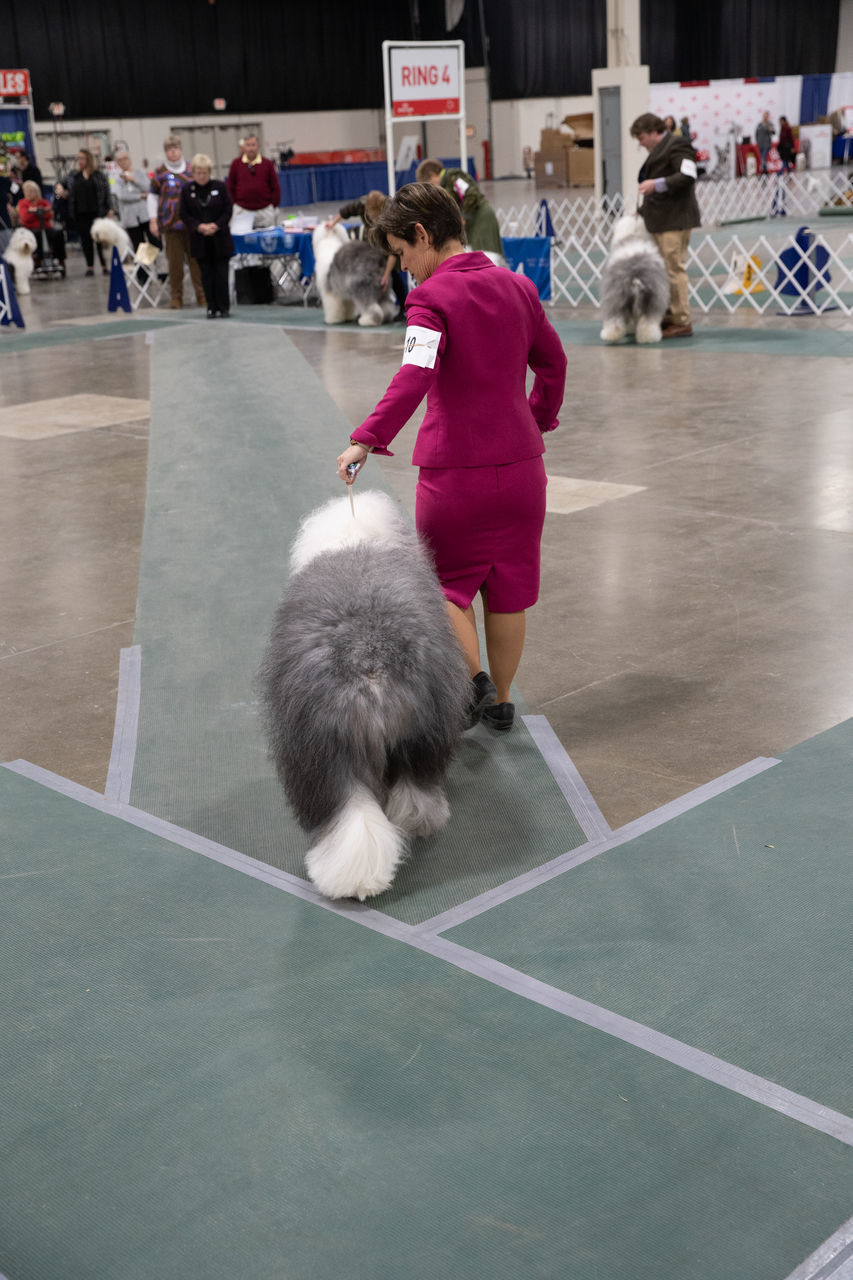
303, 185
275, 242
531, 252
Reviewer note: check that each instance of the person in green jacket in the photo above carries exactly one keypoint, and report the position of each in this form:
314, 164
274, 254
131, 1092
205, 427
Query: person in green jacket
481, 224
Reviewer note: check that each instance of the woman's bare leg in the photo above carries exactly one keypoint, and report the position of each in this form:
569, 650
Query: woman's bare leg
465, 626
504, 644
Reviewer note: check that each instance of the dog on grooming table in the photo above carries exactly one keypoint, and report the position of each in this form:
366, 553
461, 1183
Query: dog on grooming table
365, 693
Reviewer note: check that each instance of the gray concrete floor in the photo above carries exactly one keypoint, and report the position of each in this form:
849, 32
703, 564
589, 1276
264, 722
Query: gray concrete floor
684, 629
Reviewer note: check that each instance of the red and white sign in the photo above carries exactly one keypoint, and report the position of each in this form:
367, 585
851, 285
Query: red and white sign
425, 80
14, 84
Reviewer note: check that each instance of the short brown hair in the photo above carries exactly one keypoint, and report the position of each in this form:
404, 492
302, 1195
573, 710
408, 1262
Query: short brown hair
428, 169
648, 123
419, 202
374, 203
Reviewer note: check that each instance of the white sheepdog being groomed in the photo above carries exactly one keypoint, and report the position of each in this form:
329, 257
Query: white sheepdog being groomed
348, 274
634, 284
110, 234
19, 255
365, 693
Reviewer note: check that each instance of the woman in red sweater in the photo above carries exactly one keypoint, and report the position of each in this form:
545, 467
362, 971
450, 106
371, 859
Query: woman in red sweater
36, 214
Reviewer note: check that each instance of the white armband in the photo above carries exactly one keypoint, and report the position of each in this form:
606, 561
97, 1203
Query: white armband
688, 167
421, 346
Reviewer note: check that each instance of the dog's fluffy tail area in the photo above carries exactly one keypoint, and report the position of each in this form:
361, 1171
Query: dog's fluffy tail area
359, 852
415, 810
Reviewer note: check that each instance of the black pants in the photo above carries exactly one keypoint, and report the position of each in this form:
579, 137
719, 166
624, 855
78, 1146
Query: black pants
214, 277
83, 222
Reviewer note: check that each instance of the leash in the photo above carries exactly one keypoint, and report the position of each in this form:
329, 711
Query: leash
352, 470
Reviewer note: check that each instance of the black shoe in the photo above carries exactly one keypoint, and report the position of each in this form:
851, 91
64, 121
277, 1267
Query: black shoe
105, 271
211, 315
89, 271
500, 716
483, 693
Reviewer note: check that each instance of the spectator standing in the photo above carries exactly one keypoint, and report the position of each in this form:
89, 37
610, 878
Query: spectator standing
30, 172
481, 224
205, 212
764, 138
253, 184
35, 213
88, 199
787, 144
669, 210
164, 213
130, 191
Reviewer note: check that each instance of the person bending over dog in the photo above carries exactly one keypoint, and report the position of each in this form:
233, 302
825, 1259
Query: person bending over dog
472, 330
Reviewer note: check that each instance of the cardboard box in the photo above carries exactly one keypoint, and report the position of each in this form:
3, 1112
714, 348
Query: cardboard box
553, 140
581, 167
582, 126
549, 168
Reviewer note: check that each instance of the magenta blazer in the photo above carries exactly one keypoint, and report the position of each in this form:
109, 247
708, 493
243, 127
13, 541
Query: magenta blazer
480, 326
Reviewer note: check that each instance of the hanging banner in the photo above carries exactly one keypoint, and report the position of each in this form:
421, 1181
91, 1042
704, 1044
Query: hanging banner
425, 79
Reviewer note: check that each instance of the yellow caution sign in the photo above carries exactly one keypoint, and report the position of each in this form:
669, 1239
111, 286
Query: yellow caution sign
744, 276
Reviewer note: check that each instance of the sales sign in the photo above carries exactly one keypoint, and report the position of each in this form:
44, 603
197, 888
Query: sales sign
14, 84
425, 80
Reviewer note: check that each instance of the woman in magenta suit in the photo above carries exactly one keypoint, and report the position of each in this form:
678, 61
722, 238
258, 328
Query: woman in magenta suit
472, 331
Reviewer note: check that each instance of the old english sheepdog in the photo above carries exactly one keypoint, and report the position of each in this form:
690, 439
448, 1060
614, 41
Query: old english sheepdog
349, 278
111, 235
19, 255
365, 693
634, 284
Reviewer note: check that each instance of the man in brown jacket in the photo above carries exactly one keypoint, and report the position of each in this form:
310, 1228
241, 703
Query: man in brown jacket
669, 210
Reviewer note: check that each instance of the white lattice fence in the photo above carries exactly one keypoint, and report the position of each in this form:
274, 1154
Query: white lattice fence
792, 275
768, 196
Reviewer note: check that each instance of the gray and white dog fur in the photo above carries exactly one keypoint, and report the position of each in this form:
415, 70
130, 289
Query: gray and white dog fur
19, 255
634, 284
348, 275
365, 693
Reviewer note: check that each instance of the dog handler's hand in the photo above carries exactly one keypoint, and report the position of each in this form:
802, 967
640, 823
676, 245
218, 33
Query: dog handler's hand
355, 453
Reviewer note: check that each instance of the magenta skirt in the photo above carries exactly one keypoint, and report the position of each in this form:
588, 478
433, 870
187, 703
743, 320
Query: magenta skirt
484, 527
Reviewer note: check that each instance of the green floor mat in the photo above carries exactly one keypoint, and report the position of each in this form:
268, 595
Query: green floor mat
205, 1078
243, 443
728, 928
801, 336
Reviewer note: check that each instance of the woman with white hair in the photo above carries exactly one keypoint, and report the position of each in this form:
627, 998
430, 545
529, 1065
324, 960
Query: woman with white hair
205, 212
35, 213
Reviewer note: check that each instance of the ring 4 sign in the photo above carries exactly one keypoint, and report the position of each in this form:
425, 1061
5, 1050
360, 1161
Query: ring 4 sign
425, 80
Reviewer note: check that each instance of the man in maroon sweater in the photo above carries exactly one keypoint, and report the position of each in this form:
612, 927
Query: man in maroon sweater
253, 184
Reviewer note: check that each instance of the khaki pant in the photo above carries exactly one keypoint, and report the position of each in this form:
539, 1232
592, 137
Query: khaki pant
673, 248
177, 246
260, 217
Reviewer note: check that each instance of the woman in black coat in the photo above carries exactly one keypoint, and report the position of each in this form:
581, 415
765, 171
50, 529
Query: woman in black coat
88, 199
206, 212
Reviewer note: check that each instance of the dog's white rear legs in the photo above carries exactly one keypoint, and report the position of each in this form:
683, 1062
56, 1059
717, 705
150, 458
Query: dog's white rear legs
359, 852
648, 330
613, 331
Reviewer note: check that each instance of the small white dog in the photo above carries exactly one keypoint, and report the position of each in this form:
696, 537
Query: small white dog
111, 234
348, 274
365, 693
634, 284
19, 255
